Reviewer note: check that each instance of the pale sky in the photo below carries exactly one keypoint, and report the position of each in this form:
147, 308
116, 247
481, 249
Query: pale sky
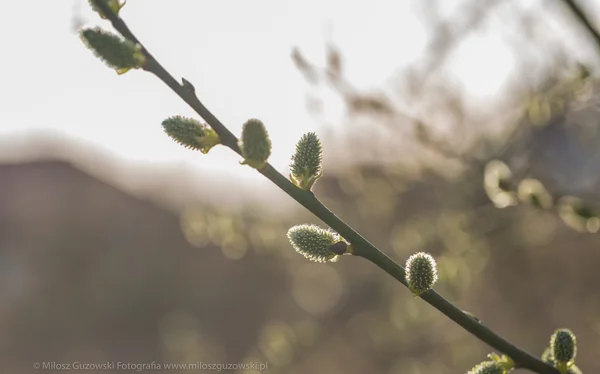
237, 55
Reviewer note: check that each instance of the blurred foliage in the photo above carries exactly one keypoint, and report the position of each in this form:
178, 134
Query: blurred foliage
505, 265
226, 286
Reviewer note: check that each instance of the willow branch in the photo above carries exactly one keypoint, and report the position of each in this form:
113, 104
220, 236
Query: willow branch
362, 247
584, 20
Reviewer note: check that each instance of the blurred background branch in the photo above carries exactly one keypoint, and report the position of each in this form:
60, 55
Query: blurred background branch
583, 19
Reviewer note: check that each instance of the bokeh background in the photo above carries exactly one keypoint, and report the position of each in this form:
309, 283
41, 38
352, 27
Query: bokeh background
116, 244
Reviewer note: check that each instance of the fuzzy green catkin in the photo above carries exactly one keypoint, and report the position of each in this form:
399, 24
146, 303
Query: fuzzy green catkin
255, 143
313, 242
563, 345
118, 53
488, 367
191, 133
307, 162
113, 5
421, 272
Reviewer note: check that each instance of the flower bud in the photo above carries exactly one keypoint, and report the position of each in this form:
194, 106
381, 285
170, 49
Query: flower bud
307, 162
119, 54
488, 367
421, 272
191, 133
563, 345
255, 144
113, 5
314, 243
